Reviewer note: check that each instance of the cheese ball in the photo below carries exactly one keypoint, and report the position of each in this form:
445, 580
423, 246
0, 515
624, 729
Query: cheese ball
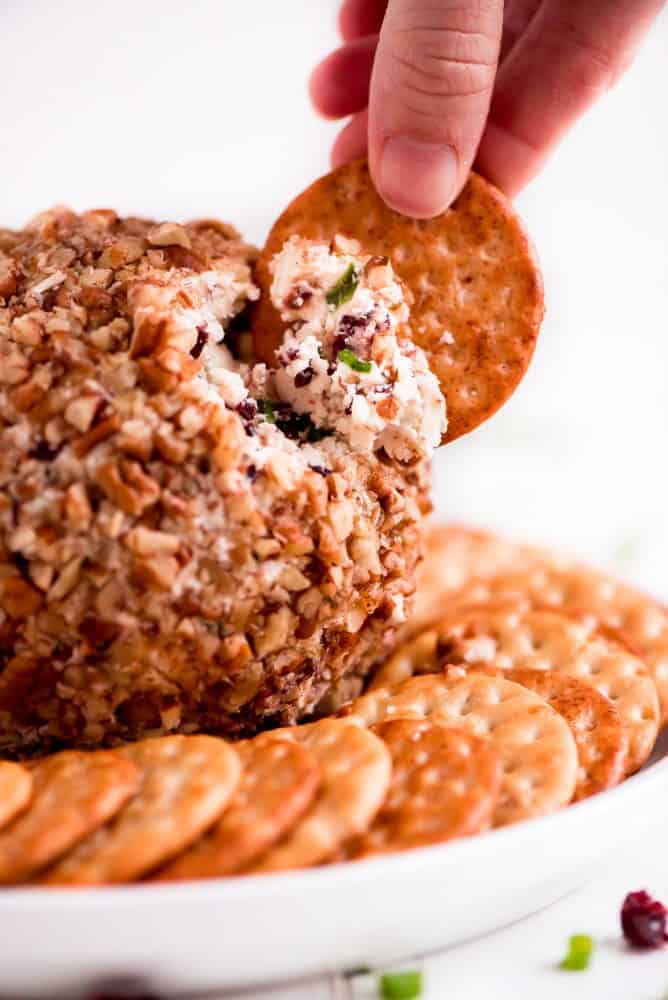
189, 541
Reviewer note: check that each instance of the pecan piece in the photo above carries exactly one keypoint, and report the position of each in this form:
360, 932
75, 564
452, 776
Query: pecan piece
95, 435
157, 571
127, 485
9, 275
17, 598
145, 542
77, 506
169, 234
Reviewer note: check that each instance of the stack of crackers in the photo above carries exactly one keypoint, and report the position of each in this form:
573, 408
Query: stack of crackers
524, 683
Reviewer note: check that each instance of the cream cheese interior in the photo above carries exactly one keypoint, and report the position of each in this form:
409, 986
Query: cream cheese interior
346, 368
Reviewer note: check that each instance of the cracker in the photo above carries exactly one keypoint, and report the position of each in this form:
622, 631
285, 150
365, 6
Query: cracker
15, 790
355, 776
536, 748
537, 577
638, 621
477, 290
445, 784
599, 733
279, 781
509, 637
185, 784
74, 793
454, 554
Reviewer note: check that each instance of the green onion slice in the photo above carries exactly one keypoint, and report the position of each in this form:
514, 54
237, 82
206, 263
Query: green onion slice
344, 289
266, 408
401, 985
578, 957
349, 358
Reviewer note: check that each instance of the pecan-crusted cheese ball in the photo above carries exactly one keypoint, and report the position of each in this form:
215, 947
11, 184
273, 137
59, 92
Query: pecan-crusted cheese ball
187, 542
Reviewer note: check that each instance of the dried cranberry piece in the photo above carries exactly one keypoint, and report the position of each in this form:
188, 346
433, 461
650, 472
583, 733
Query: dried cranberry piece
45, 452
644, 920
303, 377
348, 325
200, 343
247, 409
293, 424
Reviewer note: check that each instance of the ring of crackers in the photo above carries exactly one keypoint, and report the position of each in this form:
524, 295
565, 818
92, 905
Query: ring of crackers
279, 781
355, 770
535, 578
185, 784
510, 637
535, 745
74, 793
455, 554
15, 790
445, 784
477, 291
599, 733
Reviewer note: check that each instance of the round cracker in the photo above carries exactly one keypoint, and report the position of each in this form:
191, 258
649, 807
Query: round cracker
355, 770
279, 781
536, 748
73, 794
598, 731
510, 636
185, 783
473, 275
445, 784
15, 790
455, 554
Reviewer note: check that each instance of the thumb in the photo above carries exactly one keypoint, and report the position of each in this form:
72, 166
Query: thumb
430, 92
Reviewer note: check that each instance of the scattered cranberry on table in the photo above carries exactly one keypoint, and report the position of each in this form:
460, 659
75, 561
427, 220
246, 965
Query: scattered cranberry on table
644, 920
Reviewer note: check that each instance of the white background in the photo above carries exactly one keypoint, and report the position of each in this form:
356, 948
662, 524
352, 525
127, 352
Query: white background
169, 109
175, 109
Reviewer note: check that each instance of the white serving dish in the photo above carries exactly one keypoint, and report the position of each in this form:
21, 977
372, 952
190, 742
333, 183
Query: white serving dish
265, 929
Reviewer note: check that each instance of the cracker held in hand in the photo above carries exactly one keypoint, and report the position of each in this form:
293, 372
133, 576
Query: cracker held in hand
478, 298
279, 781
73, 794
445, 784
185, 784
536, 748
15, 790
355, 771
598, 731
509, 637
536, 577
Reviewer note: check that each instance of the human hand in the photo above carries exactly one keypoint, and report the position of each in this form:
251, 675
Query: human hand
434, 85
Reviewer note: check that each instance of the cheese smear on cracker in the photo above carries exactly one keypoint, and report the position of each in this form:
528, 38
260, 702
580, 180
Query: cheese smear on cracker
345, 359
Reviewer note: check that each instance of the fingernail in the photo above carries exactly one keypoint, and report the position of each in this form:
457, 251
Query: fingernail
417, 178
